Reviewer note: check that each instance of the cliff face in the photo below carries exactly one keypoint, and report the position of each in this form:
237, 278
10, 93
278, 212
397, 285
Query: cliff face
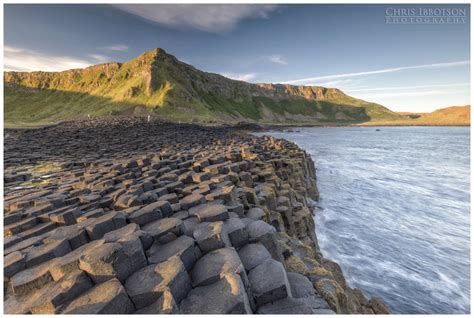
298, 240
189, 220
170, 88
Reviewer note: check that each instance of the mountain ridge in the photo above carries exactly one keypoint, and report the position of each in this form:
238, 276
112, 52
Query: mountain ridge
158, 83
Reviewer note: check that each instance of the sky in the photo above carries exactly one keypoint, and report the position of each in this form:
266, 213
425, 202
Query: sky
405, 67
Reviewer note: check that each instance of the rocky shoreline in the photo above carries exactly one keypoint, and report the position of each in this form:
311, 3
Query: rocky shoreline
124, 215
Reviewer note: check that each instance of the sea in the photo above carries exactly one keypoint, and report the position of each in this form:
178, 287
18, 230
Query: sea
394, 211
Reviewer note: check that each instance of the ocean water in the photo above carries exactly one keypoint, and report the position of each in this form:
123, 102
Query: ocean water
395, 211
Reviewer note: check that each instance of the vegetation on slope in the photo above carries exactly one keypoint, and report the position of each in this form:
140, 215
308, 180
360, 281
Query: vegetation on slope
158, 83
449, 116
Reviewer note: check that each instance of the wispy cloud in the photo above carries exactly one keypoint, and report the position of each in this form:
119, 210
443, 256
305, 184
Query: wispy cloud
278, 59
404, 94
215, 18
116, 47
336, 83
407, 87
240, 76
22, 60
99, 58
387, 70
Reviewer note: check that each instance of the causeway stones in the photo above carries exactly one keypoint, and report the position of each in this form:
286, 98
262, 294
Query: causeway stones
172, 223
110, 260
253, 255
13, 263
104, 224
192, 200
184, 247
211, 236
228, 296
106, 298
61, 293
163, 227
30, 279
210, 212
214, 265
268, 282
147, 285
258, 229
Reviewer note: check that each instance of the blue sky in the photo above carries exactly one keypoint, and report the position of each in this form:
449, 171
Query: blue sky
406, 67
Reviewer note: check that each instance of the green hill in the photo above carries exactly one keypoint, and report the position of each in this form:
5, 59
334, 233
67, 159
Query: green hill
448, 116
159, 84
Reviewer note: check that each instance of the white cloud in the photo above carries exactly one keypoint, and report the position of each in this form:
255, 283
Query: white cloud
240, 77
387, 70
22, 60
100, 58
117, 47
213, 18
278, 59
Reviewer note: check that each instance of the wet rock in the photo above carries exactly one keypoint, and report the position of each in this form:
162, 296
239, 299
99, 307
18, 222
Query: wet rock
379, 306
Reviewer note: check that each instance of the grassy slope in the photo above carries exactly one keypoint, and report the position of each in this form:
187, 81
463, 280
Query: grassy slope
161, 84
449, 116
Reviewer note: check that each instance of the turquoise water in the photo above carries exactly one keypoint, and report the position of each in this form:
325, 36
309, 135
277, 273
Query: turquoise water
395, 211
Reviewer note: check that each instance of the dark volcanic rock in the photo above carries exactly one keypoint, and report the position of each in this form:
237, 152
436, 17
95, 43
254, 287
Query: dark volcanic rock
125, 215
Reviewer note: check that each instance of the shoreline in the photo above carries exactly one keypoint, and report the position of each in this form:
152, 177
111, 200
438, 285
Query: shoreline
196, 194
239, 125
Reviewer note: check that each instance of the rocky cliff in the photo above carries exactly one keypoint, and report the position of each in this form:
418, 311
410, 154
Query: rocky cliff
159, 83
193, 220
